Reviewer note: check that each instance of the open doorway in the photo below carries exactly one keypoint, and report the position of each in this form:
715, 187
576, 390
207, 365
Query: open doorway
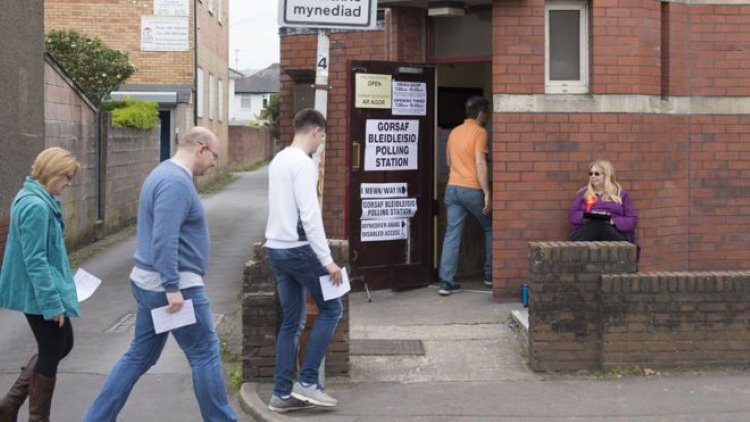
457, 82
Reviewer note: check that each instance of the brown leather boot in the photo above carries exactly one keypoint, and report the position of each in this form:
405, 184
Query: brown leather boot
12, 401
40, 397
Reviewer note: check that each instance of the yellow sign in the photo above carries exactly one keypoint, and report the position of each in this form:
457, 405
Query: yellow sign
372, 91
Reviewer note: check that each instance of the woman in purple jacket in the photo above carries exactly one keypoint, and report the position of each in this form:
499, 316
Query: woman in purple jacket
602, 211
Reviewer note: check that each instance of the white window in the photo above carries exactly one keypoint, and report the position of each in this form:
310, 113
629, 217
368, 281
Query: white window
199, 93
220, 4
566, 42
247, 101
211, 96
211, 6
221, 99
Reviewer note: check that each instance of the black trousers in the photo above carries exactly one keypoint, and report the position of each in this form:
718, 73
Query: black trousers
597, 231
53, 343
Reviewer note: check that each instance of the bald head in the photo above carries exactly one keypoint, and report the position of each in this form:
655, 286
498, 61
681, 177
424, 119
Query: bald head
197, 135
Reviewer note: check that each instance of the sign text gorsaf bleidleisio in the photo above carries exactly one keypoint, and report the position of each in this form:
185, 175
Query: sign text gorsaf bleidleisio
328, 13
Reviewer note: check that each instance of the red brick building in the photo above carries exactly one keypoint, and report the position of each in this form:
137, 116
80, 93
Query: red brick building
660, 88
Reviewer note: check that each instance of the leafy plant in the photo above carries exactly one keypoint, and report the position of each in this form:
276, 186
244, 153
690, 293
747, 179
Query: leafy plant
271, 111
134, 113
96, 68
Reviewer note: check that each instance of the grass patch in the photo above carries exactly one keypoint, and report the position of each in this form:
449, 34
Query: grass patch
250, 167
216, 184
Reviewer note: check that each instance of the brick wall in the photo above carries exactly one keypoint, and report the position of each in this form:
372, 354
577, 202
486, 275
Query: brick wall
589, 310
131, 154
261, 317
248, 146
564, 301
675, 319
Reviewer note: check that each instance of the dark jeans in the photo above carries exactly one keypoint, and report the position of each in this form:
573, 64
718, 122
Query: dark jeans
597, 231
53, 343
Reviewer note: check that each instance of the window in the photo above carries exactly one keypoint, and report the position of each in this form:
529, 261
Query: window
211, 6
246, 101
199, 93
211, 96
220, 4
221, 99
265, 101
566, 48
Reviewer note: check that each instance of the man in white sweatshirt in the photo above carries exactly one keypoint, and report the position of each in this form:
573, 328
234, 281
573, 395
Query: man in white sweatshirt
298, 255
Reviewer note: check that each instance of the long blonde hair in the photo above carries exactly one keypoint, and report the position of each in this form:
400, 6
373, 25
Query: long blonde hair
612, 189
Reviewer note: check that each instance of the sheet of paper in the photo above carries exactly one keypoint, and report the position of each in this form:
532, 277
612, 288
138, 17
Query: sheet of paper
332, 292
164, 321
86, 284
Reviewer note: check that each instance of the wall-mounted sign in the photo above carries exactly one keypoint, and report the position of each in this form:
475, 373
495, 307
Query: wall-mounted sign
383, 190
164, 33
372, 91
391, 145
409, 98
171, 7
382, 230
352, 14
385, 209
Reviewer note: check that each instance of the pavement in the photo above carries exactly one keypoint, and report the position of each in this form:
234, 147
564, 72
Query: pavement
474, 369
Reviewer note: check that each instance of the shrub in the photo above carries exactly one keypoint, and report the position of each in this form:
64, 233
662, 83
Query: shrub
133, 113
96, 68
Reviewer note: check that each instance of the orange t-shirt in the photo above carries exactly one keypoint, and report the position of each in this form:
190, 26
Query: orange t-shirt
463, 143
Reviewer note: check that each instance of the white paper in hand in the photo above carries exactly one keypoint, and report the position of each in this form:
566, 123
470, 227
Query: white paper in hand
332, 292
86, 284
164, 321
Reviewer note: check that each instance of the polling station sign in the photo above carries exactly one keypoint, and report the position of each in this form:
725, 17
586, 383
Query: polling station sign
382, 230
391, 145
343, 14
384, 209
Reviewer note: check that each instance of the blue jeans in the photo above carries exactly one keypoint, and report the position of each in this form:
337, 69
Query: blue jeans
198, 341
459, 202
297, 270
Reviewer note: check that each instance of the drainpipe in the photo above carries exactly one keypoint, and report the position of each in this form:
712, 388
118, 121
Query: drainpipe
195, 62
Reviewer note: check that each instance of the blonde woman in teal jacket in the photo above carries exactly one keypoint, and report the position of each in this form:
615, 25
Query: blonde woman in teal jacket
36, 279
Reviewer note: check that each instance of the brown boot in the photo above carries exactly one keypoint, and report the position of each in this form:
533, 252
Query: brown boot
40, 397
12, 401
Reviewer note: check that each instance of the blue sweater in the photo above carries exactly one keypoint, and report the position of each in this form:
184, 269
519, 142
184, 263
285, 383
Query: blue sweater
172, 231
36, 276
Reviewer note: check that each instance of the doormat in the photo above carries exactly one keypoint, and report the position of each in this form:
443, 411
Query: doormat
368, 347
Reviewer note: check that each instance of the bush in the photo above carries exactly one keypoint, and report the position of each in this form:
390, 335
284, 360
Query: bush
133, 113
96, 68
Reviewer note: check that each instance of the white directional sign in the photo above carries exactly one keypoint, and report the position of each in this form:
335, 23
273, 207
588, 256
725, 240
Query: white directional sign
383, 190
386, 209
381, 230
346, 14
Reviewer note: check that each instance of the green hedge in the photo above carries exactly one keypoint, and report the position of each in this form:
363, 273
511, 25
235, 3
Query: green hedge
134, 113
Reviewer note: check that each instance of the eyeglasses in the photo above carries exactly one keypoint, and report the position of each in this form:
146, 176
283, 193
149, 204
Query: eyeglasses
594, 173
214, 153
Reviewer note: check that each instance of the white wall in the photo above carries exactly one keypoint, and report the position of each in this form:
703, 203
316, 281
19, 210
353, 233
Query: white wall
240, 115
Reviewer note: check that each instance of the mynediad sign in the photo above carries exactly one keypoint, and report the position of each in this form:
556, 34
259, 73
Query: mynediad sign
351, 14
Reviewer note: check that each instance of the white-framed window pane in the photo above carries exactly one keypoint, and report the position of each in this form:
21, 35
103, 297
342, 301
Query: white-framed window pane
211, 6
220, 4
199, 93
246, 101
221, 99
265, 101
564, 45
211, 96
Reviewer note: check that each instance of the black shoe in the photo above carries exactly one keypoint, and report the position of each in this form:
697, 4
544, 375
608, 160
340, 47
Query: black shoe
448, 289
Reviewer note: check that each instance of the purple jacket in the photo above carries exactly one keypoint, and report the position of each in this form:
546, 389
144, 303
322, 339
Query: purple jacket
623, 215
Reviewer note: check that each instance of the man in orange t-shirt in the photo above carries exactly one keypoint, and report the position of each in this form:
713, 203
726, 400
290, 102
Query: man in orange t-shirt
468, 191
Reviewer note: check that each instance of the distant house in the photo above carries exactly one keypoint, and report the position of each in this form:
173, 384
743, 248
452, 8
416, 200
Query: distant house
251, 95
234, 76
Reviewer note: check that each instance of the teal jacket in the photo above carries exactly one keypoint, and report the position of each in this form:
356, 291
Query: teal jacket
35, 277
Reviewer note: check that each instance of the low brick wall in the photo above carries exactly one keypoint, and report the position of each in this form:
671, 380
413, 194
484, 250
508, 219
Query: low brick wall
676, 319
248, 146
564, 301
590, 310
261, 318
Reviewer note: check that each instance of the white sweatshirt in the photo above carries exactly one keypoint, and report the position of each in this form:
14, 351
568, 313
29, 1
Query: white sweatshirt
294, 217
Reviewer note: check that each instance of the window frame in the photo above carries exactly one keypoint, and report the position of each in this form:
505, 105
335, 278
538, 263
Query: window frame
220, 100
581, 85
199, 93
211, 95
249, 99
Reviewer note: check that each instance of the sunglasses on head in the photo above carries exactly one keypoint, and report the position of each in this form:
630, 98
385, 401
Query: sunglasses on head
594, 173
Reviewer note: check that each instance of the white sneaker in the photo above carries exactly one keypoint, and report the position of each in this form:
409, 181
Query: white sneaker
313, 394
